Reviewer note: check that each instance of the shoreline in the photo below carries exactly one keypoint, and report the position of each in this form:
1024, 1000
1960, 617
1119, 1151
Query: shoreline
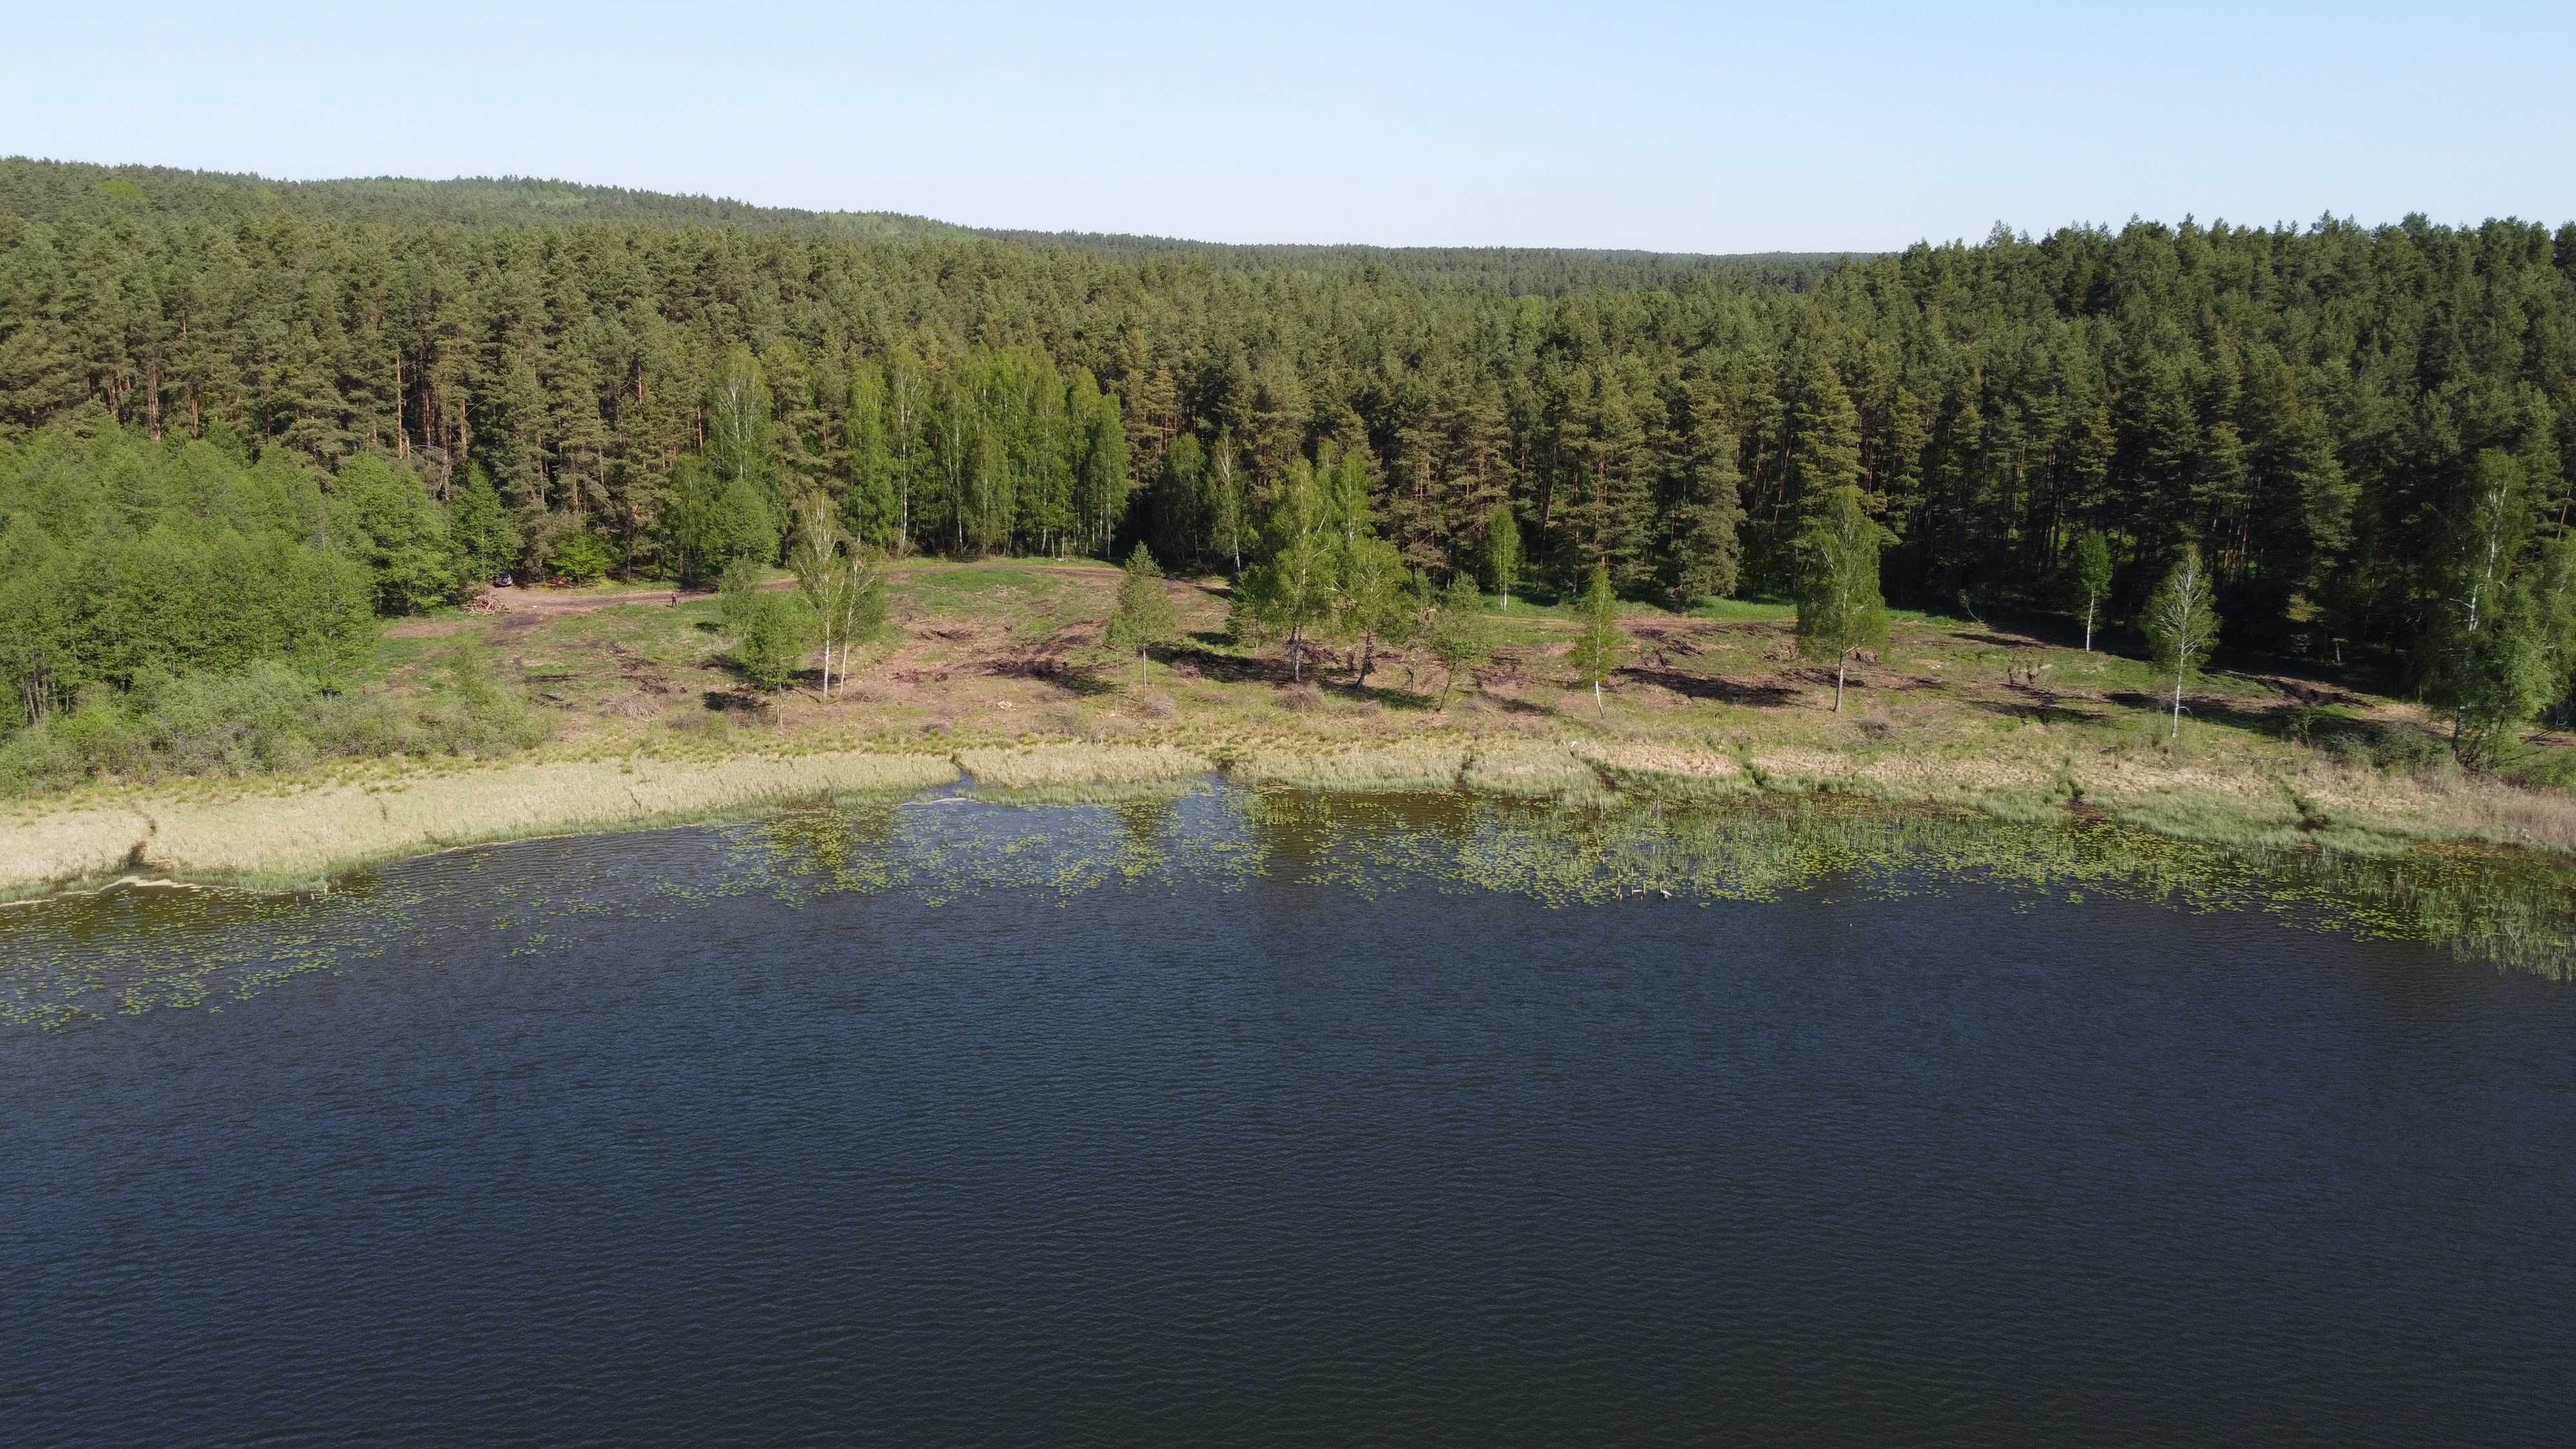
288, 833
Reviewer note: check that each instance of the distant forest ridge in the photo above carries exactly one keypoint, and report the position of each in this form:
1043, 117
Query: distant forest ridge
59, 190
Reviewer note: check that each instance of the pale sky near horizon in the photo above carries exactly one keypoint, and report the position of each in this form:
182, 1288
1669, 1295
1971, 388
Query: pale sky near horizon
1671, 127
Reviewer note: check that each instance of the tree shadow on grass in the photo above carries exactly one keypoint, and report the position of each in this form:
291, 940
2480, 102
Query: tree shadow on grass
1226, 668
2210, 709
2311, 693
1083, 681
1386, 696
1702, 686
2046, 709
1505, 704
740, 702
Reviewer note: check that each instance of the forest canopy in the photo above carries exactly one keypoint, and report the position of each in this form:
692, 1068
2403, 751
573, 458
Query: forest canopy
2304, 405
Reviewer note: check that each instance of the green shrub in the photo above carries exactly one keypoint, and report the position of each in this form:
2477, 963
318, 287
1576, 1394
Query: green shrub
2376, 744
771, 631
583, 558
264, 719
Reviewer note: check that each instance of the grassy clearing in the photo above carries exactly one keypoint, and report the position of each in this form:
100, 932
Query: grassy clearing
998, 666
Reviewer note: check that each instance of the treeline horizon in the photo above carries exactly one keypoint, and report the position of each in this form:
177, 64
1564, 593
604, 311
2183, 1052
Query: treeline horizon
60, 189
2306, 406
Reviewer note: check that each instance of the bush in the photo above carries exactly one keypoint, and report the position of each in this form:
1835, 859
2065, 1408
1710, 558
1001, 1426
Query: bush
770, 634
2542, 769
582, 558
2379, 744
713, 521
263, 719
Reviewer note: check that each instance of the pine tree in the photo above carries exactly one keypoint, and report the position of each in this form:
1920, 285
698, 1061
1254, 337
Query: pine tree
871, 506
1706, 548
1179, 506
1145, 615
1824, 448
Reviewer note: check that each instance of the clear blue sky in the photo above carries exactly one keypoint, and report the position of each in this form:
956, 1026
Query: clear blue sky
1703, 128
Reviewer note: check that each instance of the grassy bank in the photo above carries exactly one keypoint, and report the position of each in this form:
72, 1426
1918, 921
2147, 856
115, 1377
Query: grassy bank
306, 834
994, 671
275, 831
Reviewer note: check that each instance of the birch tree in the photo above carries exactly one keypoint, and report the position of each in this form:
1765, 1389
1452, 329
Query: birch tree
1840, 609
1598, 647
1460, 635
2477, 654
841, 585
2092, 578
2181, 623
1502, 553
1288, 592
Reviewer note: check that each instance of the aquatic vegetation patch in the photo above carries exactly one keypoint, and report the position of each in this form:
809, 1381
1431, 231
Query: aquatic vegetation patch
74, 959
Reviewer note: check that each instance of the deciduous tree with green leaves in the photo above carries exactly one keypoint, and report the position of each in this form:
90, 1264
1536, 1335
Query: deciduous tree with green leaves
1840, 609
1599, 646
2089, 576
771, 630
838, 579
1372, 603
2181, 623
2497, 646
1502, 553
1288, 591
481, 530
1459, 633
714, 520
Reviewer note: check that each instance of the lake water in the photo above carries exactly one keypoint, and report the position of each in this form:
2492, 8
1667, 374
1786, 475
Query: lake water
1214, 1120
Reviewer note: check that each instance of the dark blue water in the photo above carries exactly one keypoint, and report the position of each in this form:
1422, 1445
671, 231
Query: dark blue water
567, 1155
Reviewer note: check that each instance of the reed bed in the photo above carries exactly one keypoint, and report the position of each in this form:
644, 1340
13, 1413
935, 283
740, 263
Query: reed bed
40, 853
1038, 767
1528, 771
1414, 766
298, 829
1663, 771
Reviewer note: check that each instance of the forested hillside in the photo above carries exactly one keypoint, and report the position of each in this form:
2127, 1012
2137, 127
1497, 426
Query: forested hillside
2309, 406
67, 192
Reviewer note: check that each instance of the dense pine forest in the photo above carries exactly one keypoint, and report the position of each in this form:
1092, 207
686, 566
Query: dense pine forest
2368, 432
